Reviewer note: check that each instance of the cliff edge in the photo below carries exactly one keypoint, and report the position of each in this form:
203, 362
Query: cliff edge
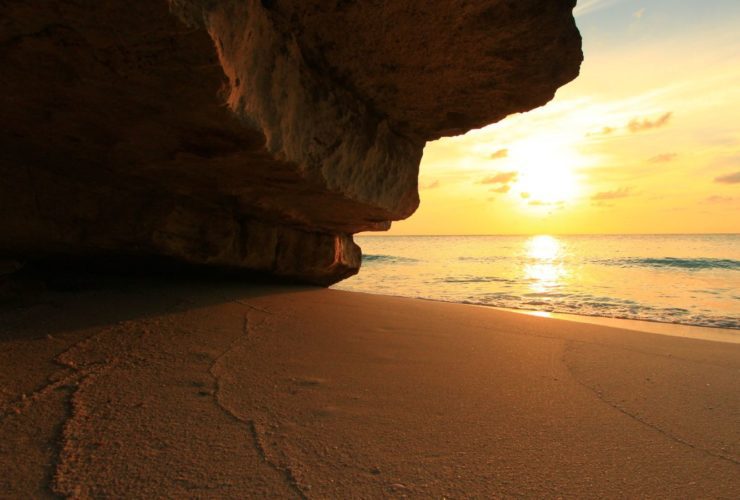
246, 134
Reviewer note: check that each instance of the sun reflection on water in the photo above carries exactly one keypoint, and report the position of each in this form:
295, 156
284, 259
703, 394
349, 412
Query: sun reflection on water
691, 279
545, 271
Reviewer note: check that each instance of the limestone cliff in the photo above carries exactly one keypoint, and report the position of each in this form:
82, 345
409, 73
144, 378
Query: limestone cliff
249, 134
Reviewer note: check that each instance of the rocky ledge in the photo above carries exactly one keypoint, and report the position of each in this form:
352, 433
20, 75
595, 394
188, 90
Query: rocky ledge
249, 134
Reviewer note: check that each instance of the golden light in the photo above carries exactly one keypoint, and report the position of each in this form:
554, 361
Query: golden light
543, 248
546, 171
544, 272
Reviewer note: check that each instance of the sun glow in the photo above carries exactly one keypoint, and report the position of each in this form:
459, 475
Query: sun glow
643, 141
544, 272
543, 248
546, 172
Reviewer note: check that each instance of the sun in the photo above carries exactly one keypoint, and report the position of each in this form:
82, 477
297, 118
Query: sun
546, 171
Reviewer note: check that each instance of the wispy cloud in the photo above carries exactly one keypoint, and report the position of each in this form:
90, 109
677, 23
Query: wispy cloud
501, 181
585, 7
540, 203
501, 153
663, 158
733, 178
500, 178
719, 199
604, 131
602, 204
430, 185
634, 125
638, 14
612, 195
504, 188
639, 125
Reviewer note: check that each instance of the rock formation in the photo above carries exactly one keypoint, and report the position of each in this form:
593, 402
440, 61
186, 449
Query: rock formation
249, 134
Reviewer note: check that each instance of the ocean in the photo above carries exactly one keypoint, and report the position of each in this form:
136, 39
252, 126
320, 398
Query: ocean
685, 279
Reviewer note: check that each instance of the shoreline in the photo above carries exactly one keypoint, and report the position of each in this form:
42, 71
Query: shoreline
677, 279
226, 389
717, 334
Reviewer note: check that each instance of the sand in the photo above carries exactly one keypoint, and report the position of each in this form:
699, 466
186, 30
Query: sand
213, 390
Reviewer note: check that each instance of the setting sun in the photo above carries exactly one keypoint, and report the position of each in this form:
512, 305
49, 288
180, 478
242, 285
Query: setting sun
312, 249
643, 155
546, 172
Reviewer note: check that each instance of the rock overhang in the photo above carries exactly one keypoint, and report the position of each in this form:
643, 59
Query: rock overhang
250, 134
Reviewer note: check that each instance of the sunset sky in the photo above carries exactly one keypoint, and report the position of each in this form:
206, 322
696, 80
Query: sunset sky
646, 140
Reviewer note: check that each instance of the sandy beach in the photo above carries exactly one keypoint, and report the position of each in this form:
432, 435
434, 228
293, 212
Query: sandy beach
282, 249
216, 390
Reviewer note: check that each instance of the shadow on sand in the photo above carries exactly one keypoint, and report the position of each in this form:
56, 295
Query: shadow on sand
45, 298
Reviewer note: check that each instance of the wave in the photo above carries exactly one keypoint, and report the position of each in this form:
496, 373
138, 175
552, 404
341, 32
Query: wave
614, 308
482, 260
655, 262
702, 263
387, 259
474, 279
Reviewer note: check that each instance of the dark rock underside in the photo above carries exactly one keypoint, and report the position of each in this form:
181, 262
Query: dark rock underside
249, 134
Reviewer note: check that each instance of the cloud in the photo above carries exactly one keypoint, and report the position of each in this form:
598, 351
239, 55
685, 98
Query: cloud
604, 131
635, 125
540, 203
639, 13
663, 158
639, 125
733, 178
585, 7
500, 178
718, 199
524, 195
602, 204
612, 195
501, 153
501, 181
430, 185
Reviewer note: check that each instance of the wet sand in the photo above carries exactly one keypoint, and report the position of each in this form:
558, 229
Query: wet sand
214, 390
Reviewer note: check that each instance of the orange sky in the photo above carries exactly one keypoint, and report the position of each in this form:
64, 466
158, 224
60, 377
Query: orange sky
646, 140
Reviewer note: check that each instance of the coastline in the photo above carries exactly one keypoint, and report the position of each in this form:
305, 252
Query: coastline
219, 389
728, 335
684, 279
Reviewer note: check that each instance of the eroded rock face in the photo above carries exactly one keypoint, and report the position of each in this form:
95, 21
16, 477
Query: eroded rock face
244, 133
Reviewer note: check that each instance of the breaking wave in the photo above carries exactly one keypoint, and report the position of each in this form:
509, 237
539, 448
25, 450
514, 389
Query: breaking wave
705, 263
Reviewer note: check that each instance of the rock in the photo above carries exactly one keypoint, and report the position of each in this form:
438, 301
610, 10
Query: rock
249, 134
9, 267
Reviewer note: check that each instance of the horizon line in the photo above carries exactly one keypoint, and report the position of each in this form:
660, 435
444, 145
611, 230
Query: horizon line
386, 235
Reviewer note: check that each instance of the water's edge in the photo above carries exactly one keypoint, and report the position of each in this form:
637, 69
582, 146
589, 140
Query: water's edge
713, 334
687, 280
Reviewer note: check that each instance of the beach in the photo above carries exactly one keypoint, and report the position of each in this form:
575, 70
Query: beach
393, 249
211, 389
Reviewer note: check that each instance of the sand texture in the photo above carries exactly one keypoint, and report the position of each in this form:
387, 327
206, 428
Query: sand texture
216, 390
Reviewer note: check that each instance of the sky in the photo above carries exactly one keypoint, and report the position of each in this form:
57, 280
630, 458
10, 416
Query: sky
645, 140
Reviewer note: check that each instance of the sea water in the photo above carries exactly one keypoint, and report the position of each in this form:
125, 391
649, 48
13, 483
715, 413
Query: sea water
686, 279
